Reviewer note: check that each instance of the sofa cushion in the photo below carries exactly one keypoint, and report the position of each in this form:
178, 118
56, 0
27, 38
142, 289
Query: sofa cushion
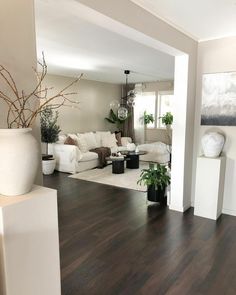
91, 140
70, 141
88, 156
82, 143
126, 140
109, 140
99, 135
62, 138
118, 138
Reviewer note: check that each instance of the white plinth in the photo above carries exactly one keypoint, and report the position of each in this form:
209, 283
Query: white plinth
29, 244
209, 187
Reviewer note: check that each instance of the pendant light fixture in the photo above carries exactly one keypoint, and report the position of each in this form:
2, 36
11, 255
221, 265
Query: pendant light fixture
127, 100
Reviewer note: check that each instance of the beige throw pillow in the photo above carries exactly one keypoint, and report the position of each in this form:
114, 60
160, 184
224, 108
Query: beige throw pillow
82, 143
109, 141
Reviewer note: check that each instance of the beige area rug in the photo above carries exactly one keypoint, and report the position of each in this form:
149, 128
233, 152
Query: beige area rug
126, 180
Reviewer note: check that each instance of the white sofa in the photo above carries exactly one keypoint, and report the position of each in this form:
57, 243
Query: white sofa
74, 158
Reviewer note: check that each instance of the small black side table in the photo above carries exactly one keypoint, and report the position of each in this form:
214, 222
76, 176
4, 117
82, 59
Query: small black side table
133, 157
118, 166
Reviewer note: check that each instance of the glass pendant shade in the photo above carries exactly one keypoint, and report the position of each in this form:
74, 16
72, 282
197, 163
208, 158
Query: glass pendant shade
114, 105
122, 113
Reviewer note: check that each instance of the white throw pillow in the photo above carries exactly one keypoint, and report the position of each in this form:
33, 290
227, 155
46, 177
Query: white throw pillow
61, 138
109, 141
125, 141
99, 135
91, 140
82, 143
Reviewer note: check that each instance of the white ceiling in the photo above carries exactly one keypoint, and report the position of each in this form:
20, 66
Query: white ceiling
72, 44
200, 19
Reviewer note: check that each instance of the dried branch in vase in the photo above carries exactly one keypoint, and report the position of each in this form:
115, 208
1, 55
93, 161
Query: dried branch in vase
23, 108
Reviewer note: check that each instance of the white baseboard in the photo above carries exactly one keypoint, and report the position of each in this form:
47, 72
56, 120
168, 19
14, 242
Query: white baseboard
180, 208
229, 211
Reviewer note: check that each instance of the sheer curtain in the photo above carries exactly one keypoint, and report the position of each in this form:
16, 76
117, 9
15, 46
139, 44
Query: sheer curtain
138, 115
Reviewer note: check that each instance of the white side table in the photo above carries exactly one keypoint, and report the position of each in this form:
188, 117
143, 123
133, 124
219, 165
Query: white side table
209, 188
29, 244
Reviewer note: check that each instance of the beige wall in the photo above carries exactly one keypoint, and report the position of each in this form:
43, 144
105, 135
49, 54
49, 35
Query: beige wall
94, 106
18, 50
218, 56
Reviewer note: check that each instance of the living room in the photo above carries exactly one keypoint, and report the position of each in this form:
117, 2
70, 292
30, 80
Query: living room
110, 240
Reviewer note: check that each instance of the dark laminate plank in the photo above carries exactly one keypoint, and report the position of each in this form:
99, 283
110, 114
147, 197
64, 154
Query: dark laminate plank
112, 243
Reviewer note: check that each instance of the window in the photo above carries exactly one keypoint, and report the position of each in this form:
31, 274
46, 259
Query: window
158, 105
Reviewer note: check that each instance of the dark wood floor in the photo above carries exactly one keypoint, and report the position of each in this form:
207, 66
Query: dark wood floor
112, 243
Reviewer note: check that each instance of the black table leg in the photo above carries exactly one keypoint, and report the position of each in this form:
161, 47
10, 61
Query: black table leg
133, 162
118, 167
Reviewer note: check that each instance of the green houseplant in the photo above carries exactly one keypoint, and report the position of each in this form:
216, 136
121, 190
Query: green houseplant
148, 118
156, 178
113, 119
167, 119
49, 134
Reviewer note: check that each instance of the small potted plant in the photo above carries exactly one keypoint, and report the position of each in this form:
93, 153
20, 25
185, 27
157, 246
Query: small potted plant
147, 119
49, 134
156, 178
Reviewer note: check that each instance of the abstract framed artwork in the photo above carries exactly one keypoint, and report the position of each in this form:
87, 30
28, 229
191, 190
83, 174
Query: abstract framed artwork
219, 99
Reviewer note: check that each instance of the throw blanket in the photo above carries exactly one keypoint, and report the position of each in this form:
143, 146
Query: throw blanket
103, 153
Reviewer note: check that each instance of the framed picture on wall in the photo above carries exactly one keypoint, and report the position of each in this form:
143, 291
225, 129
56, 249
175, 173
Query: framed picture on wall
219, 99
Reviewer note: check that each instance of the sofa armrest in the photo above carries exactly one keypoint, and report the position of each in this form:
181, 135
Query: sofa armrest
126, 140
65, 152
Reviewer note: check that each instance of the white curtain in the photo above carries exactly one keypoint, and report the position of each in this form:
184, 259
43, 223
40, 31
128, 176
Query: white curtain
139, 109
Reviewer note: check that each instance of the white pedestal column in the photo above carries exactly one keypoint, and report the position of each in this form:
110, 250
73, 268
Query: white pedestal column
209, 187
29, 244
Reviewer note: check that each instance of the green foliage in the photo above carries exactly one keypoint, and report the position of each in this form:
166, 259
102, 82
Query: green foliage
49, 129
167, 119
148, 118
113, 119
156, 175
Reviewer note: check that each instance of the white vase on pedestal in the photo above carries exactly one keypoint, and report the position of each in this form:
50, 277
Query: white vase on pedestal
212, 144
18, 161
48, 166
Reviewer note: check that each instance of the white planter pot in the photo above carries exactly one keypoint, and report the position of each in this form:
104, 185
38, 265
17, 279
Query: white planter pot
18, 161
212, 144
49, 166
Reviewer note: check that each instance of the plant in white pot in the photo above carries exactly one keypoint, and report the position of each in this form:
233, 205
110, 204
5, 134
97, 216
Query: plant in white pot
167, 120
18, 148
49, 134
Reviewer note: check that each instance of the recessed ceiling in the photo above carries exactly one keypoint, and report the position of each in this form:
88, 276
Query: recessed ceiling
72, 45
200, 19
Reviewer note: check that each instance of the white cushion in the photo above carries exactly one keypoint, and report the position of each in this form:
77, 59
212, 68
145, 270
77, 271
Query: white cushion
89, 156
61, 138
73, 136
91, 140
100, 135
82, 143
109, 140
125, 141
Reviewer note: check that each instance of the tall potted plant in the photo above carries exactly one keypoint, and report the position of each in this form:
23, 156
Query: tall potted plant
147, 119
49, 134
167, 120
19, 149
156, 178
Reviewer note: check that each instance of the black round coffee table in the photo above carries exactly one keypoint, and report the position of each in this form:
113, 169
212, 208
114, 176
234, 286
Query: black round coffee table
133, 157
118, 166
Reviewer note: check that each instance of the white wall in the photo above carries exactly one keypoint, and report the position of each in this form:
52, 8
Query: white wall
18, 51
94, 106
218, 56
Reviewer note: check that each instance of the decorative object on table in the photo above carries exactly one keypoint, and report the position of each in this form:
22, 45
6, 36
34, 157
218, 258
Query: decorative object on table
49, 134
156, 178
219, 99
212, 144
17, 173
131, 147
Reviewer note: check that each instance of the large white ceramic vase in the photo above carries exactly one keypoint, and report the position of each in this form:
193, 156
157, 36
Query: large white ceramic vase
18, 161
212, 144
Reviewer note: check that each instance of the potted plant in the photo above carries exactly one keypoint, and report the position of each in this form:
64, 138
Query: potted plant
147, 119
49, 134
167, 120
156, 178
18, 172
